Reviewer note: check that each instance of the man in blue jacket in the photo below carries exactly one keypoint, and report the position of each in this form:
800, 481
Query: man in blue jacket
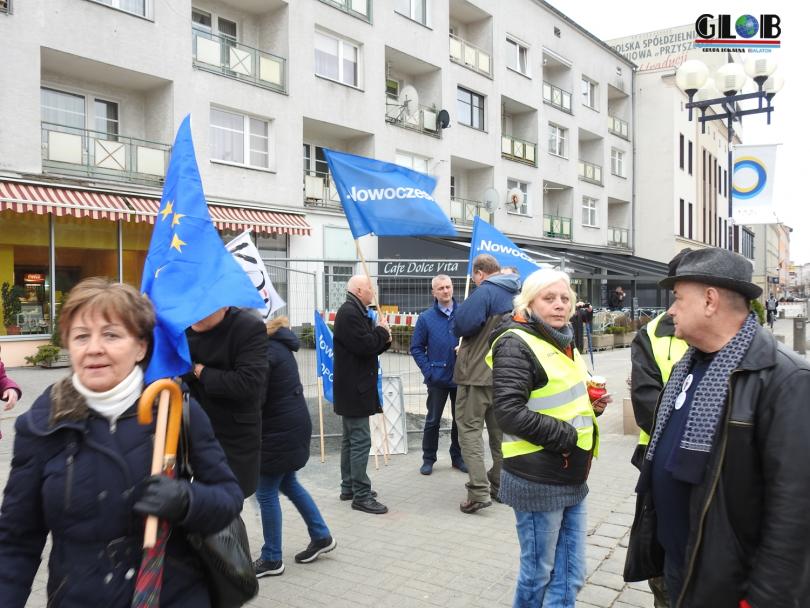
433, 347
475, 319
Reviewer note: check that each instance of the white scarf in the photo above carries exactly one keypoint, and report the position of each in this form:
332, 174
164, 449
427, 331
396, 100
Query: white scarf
114, 402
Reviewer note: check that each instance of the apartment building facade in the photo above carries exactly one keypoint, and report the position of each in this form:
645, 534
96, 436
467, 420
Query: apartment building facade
522, 116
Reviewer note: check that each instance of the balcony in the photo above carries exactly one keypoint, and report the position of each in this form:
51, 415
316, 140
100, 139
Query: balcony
5, 6
619, 127
557, 227
320, 192
470, 56
422, 119
589, 172
519, 150
84, 153
618, 237
463, 211
356, 8
557, 97
232, 59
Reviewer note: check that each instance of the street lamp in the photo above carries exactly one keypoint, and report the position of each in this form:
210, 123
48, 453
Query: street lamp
723, 94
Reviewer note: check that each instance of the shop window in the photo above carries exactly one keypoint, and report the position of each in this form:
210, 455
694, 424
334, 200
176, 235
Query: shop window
135, 243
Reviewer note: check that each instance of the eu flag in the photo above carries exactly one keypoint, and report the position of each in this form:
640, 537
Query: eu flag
188, 272
386, 199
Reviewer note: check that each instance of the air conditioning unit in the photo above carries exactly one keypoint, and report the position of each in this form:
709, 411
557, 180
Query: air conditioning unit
429, 120
313, 187
392, 87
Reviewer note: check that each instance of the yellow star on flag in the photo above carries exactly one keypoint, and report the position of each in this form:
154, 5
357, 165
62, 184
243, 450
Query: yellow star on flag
176, 242
167, 210
176, 218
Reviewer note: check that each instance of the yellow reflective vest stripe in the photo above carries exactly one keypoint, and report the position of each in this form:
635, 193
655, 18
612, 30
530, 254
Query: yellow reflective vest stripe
565, 397
667, 351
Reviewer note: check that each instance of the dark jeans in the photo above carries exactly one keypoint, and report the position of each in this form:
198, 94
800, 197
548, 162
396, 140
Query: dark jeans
436, 400
354, 451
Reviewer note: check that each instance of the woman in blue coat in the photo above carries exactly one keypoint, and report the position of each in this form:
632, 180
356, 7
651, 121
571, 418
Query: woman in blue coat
80, 470
286, 431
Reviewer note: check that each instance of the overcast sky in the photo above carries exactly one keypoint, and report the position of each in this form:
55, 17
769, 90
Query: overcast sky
790, 120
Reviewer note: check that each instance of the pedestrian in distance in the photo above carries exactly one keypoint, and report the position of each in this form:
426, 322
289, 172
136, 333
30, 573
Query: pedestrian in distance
723, 491
475, 318
550, 435
616, 298
433, 347
286, 432
358, 341
10, 391
229, 350
771, 307
81, 470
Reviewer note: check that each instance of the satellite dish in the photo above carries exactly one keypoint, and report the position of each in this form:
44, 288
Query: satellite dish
491, 198
515, 197
443, 119
408, 100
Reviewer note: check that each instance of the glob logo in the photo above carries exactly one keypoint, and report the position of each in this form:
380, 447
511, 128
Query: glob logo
743, 32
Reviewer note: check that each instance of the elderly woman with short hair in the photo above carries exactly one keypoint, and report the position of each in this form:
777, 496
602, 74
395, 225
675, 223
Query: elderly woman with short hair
549, 437
80, 470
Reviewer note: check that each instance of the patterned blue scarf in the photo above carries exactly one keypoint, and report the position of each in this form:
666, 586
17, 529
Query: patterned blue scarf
708, 401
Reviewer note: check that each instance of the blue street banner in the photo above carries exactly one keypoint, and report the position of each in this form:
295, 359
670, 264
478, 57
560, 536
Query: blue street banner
324, 356
487, 239
188, 273
386, 199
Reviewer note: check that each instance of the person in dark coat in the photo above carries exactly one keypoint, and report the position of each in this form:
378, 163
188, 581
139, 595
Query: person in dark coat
723, 491
229, 350
286, 431
81, 464
583, 315
358, 343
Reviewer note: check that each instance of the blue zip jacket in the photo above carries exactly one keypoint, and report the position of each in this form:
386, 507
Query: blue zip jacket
492, 297
433, 346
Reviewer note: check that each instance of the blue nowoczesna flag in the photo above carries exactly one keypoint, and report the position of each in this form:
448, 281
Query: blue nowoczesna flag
188, 273
386, 199
488, 239
324, 356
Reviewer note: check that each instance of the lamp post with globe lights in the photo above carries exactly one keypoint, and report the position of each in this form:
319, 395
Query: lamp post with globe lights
723, 93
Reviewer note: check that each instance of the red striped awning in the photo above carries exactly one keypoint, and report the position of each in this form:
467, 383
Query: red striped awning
260, 221
39, 199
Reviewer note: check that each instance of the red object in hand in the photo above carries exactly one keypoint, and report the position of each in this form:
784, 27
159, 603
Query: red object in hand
744, 604
595, 392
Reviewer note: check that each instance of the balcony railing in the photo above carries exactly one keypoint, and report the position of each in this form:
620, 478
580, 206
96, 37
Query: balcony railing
320, 191
81, 152
470, 56
557, 97
463, 211
410, 116
519, 150
233, 59
619, 127
557, 227
590, 172
618, 237
357, 8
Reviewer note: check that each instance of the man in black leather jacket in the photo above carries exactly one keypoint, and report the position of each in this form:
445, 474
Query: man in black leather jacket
736, 511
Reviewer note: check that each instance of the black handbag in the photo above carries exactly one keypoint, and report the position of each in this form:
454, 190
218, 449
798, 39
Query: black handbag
224, 555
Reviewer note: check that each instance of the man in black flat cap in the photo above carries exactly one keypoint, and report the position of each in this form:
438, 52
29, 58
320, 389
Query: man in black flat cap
724, 492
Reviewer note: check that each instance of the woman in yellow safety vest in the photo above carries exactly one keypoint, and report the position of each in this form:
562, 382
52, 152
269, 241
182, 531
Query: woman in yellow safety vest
549, 437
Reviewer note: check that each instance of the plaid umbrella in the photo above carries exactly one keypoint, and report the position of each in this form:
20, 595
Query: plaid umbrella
156, 534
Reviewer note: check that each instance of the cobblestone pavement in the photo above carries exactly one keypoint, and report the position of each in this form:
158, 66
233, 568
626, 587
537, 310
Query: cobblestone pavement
425, 552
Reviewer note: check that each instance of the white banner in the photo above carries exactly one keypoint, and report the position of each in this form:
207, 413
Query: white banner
754, 170
248, 257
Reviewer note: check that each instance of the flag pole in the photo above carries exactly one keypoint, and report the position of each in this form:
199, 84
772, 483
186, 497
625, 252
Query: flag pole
320, 416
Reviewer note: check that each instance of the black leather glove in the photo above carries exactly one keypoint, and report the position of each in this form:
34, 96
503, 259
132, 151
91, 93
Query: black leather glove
165, 497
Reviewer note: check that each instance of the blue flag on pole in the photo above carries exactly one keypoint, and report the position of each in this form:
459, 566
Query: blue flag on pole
386, 199
487, 239
324, 355
188, 272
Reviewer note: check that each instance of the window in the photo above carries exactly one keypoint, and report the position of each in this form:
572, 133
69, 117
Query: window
522, 208
413, 9
681, 216
62, 108
452, 186
680, 150
336, 59
412, 161
557, 137
470, 108
136, 7
517, 56
617, 162
589, 93
725, 183
237, 137
690, 158
590, 212
690, 220
557, 32
106, 118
